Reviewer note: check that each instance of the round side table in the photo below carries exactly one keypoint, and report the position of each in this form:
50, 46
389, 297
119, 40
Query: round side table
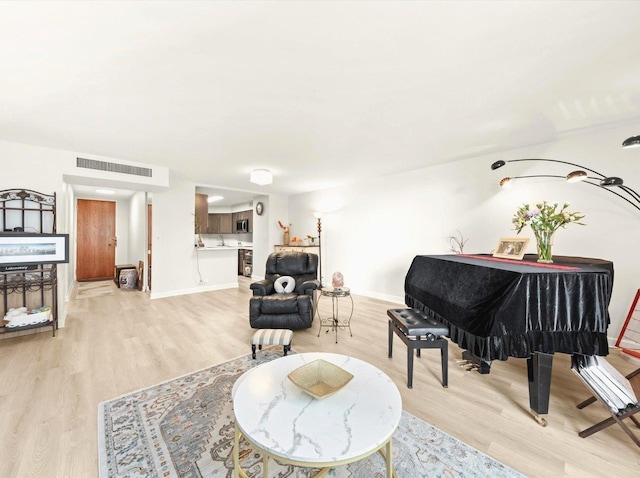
335, 322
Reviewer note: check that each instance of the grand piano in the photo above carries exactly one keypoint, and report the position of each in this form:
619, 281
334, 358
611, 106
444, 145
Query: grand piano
499, 308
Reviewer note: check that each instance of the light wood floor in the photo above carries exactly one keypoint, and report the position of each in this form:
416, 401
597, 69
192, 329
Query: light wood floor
50, 388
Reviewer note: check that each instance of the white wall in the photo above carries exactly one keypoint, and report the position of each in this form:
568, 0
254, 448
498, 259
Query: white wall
137, 229
375, 228
266, 232
172, 228
39, 169
261, 246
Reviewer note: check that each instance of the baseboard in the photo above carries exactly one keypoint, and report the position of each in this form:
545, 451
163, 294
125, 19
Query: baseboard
194, 290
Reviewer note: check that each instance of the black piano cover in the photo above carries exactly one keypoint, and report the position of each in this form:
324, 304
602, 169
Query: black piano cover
497, 309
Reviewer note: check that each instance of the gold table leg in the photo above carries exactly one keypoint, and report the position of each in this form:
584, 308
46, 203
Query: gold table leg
236, 453
265, 465
390, 470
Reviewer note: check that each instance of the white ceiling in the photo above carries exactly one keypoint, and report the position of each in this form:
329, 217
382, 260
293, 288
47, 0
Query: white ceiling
320, 93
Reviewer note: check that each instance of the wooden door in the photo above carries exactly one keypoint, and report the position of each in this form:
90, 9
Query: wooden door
96, 239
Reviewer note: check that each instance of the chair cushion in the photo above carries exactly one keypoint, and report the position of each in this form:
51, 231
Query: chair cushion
284, 285
279, 304
413, 322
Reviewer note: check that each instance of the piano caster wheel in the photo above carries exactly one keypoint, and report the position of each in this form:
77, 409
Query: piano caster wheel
541, 420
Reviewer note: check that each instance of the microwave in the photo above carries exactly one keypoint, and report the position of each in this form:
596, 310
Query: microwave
242, 225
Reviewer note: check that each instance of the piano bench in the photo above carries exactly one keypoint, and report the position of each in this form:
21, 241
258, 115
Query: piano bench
418, 331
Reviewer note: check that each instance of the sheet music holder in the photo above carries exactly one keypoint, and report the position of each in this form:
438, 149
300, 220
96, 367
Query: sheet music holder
616, 392
607, 383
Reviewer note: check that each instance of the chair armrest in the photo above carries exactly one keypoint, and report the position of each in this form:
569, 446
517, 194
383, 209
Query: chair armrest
308, 286
263, 287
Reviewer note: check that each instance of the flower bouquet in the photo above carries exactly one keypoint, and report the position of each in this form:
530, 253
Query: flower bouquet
545, 219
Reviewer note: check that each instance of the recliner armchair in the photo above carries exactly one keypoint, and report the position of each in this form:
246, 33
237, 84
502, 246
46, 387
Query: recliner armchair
271, 310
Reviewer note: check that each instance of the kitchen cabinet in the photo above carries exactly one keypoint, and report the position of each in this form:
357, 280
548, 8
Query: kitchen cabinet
220, 223
241, 215
245, 262
202, 214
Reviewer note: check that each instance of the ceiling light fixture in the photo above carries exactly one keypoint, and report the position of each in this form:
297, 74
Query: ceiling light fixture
261, 177
215, 198
632, 142
105, 191
599, 180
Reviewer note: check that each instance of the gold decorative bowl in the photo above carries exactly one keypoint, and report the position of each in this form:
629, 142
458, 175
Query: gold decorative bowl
320, 378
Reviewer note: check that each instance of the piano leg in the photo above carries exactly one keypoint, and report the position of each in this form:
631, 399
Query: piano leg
539, 374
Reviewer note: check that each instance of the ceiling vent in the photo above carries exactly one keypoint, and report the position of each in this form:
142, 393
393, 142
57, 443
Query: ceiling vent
113, 167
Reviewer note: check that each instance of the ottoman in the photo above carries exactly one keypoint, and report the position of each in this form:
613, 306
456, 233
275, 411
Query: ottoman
271, 337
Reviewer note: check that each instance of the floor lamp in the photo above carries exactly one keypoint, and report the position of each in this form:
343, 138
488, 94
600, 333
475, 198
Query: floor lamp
318, 215
608, 183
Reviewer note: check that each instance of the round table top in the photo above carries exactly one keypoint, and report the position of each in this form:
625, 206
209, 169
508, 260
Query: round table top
278, 416
336, 291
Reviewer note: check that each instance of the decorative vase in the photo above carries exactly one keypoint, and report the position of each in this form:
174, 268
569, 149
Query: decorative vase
285, 240
544, 241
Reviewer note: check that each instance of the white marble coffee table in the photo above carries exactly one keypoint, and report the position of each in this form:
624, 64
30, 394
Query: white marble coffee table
289, 425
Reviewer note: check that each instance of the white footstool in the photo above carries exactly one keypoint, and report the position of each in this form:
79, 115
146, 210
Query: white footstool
271, 337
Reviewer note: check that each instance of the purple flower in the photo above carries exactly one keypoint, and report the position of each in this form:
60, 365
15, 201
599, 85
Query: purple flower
532, 213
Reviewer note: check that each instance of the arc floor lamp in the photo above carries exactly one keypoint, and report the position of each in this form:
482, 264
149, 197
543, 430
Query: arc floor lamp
613, 184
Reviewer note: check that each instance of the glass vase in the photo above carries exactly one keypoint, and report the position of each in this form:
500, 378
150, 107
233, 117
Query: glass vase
544, 241
285, 239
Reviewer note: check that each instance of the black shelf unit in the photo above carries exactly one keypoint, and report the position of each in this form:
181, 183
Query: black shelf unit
32, 286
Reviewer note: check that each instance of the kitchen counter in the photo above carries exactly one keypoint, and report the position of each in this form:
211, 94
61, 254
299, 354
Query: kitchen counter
223, 248
216, 267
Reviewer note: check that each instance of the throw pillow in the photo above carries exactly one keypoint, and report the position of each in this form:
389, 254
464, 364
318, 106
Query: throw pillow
284, 285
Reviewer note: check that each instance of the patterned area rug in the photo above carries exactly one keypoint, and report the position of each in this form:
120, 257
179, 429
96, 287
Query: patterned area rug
89, 290
185, 428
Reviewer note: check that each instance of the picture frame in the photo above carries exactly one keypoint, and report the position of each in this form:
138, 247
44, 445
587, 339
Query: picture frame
21, 249
511, 248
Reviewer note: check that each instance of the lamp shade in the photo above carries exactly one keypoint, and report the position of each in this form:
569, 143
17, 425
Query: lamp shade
632, 142
611, 181
261, 177
576, 176
505, 182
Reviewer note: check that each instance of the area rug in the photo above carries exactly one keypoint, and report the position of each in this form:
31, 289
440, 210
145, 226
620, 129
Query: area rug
184, 428
90, 290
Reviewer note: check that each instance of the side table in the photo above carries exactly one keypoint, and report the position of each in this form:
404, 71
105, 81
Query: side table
335, 322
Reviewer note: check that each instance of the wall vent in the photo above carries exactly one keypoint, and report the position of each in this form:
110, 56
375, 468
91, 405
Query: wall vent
113, 167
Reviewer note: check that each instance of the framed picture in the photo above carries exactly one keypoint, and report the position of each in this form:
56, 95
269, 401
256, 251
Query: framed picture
19, 249
511, 247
